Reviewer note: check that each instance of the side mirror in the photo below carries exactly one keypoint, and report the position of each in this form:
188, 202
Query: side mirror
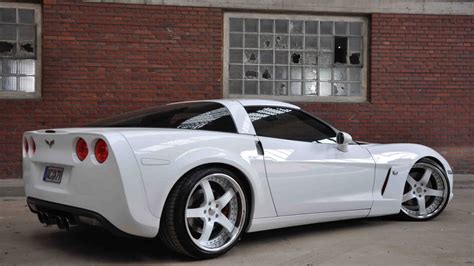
342, 140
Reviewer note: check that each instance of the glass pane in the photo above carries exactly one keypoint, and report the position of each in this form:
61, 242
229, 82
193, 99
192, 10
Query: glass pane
235, 56
341, 28
296, 88
266, 87
8, 15
340, 73
9, 66
251, 56
236, 40
355, 44
250, 87
266, 57
235, 71
326, 27
236, 24
26, 84
281, 57
251, 72
311, 27
354, 74
281, 42
8, 32
324, 89
26, 33
235, 86
311, 58
26, 67
266, 72
281, 26
310, 73
340, 89
296, 58
281, 88
251, 40
327, 43
266, 41
311, 43
296, 42
7, 48
251, 25
326, 59
355, 28
266, 25
325, 74
355, 89
310, 88
9, 83
27, 16
281, 72
296, 72
296, 27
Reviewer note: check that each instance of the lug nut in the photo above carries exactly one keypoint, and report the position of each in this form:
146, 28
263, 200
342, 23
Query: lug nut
216, 215
209, 219
204, 211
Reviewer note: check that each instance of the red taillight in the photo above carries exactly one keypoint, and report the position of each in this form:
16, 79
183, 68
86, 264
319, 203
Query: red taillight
81, 149
26, 145
101, 151
33, 145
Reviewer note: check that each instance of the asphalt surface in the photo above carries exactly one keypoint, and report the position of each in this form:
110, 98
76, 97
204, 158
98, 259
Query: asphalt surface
446, 240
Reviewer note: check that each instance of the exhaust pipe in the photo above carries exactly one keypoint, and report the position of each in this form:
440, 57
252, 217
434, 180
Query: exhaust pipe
62, 222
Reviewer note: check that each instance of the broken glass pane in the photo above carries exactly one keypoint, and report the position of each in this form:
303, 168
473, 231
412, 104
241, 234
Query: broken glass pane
266, 25
235, 71
251, 57
266, 72
311, 58
235, 56
296, 26
250, 87
236, 40
235, 86
7, 48
295, 88
310, 88
355, 28
355, 44
311, 27
266, 41
340, 89
281, 88
354, 74
327, 43
281, 57
9, 83
236, 24
9, 67
296, 58
325, 74
355, 89
311, 43
340, 47
310, 73
341, 28
326, 59
281, 26
8, 15
27, 49
355, 59
281, 42
296, 42
251, 25
326, 27
26, 33
8, 32
251, 72
251, 40
26, 84
27, 16
325, 89
266, 87
281, 72
266, 57
296, 72
26, 67
340, 73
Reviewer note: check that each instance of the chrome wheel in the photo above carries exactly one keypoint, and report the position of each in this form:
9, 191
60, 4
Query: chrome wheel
215, 212
426, 192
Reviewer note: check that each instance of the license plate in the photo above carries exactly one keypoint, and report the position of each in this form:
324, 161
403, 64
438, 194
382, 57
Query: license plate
53, 174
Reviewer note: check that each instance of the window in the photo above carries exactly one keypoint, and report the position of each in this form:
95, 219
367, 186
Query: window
19, 50
296, 58
286, 123
199, 116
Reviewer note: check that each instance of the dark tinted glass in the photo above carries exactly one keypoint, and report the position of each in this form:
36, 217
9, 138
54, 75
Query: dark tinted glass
286, 123
199, 116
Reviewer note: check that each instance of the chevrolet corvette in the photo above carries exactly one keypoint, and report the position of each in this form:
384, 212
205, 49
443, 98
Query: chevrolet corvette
199, 174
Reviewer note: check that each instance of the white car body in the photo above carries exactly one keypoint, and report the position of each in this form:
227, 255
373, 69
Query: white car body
293, 183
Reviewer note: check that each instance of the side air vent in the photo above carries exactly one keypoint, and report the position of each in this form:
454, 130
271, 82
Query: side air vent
386, 181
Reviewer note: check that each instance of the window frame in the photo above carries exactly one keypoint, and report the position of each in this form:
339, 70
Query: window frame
297, 98
38, 70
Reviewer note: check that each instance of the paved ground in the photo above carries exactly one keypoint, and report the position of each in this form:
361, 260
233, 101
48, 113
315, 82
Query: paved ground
447, 240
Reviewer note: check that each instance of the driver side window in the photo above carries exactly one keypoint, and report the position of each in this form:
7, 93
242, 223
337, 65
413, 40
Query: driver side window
290, 124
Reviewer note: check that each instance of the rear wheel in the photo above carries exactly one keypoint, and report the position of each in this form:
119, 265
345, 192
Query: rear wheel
426, 192
205, 214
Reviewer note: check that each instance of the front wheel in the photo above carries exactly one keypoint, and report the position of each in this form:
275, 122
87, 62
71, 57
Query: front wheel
205, 213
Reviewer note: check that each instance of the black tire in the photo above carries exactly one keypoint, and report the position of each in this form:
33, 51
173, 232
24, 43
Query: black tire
173, 228
428, 162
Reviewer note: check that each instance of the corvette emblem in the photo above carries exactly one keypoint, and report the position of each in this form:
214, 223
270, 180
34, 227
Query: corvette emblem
49, 142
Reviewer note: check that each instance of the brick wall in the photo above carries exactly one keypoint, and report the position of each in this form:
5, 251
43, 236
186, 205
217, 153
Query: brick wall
102, 59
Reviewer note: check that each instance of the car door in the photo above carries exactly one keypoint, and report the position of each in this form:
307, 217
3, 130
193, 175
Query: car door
305, 170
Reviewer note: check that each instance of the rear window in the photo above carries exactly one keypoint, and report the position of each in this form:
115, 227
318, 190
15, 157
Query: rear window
199, 116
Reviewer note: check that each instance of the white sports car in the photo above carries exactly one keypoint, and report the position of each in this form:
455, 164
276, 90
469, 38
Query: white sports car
199, 174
